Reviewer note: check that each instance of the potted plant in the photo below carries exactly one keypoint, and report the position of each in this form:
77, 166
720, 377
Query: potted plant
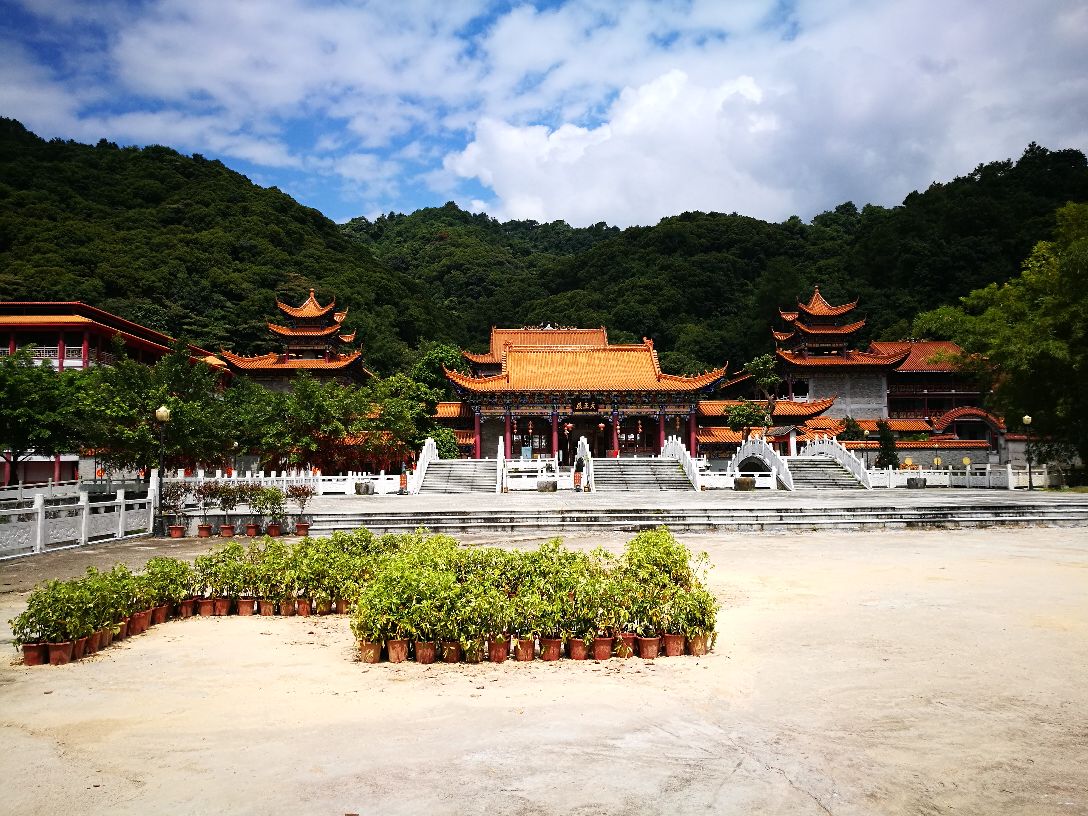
269, 503
301, 494
697, 613
171, 582
247, 494
527, 618
205, 494
226, 496
172, 496
367, 624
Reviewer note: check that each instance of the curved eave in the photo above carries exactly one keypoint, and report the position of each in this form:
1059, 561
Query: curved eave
855, 359
833, 331
782, 337
273, 362
486, 357
826, 309
789, 317
287, 331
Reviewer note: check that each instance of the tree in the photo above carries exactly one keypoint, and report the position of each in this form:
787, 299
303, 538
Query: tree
765, 375
851, 431
1030, 336
432, 359
887, 457
743, 416
39, 407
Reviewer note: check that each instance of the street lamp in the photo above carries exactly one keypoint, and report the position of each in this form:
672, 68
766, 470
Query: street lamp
162, 416
865, 447
1027, 448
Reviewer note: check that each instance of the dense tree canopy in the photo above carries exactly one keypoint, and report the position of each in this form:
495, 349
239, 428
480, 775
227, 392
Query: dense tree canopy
1030, 334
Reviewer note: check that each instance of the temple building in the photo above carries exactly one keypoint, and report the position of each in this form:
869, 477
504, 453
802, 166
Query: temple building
539, 389
312, 341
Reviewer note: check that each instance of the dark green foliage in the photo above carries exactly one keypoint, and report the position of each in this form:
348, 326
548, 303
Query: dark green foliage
887, 458
851, 432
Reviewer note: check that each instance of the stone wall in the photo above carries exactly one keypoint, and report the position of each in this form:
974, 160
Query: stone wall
859, 394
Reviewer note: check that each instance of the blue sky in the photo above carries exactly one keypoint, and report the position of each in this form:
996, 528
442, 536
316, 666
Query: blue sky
581, 111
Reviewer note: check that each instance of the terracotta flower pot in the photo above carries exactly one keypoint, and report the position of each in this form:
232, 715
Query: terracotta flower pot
159, 614
305, 606
205, 606
203, 531
426, 651
35, 654
674, 645
648, 647
451, 651
342, 606
697, 645
221, 606
302, 528
551, 648
79, 648
138, 622
185, 608
287, 607
370, 651
577, 649
498, 649
324, 607
107, 637
274, 529
267, 607
226, 530
253, 529
245, 606
474, 654
121, 630
398, 650
60, 653
602, 648
94, 642
524, 650
628, 647
176, 530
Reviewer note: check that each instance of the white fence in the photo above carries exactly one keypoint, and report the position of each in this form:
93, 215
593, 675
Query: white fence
426, 456
755, 447
984, 477
675, 449
720, 480
342, 485
41, 527
525, 474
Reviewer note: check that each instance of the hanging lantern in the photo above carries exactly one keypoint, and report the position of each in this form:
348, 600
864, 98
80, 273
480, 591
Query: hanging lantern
600, 427
530, 427
568, 428
640, 427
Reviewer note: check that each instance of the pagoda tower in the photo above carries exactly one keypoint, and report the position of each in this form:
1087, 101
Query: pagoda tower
819, 361
314, 340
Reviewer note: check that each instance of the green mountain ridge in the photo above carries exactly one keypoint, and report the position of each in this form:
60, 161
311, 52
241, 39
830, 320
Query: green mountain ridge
190, 247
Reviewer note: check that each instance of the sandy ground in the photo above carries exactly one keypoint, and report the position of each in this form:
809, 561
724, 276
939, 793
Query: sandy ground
856, 673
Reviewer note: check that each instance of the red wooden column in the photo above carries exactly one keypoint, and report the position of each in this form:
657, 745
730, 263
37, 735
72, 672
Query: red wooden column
508, 437
7, 468
60, 358
693, 439
86, 355
616, 432
11, 343
476, 441
555, 433
56, 467
660, 432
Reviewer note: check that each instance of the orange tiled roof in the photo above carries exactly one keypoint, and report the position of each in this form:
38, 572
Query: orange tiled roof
858, 359
277, 362
304, 331
783, 408
922, 353
465, 437
582, 369
821, 308
781, 337
849, 328
824, 424
451, 410
309, 308
501, 338
919, 444
47, 319
789, 317
967, 412
347, 338
897, 425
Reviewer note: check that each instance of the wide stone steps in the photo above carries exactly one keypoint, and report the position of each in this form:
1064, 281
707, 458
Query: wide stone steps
460, 476
707, 519
615, 475
821, 473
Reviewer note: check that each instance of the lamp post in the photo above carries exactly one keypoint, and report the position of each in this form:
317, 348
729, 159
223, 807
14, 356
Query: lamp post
1027, 448
865, 447
162, 416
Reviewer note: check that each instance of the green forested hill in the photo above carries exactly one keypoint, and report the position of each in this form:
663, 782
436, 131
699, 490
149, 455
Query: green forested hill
185, 245
188, 246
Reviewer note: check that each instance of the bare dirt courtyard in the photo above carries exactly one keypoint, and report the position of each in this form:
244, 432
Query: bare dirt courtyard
855, 673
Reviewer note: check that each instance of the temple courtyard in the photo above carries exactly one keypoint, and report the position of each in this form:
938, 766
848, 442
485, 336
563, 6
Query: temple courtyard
856, 672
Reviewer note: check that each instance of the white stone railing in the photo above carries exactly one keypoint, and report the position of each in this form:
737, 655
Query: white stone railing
675, 449
756, 447
586, 455
500, 470
524, 474
720, 480
42, 527
428, 454
981, 477
834, 449
341, 484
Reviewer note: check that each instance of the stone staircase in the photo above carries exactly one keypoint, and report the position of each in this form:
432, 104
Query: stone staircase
614, 475
821, 473
755, 518
460, 476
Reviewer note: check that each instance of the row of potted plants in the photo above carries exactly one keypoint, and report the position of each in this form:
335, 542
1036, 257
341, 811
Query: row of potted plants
264, 503
411, 593
440, 601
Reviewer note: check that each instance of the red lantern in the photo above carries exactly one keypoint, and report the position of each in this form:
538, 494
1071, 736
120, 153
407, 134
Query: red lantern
600, 427
230, 471
100, 473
